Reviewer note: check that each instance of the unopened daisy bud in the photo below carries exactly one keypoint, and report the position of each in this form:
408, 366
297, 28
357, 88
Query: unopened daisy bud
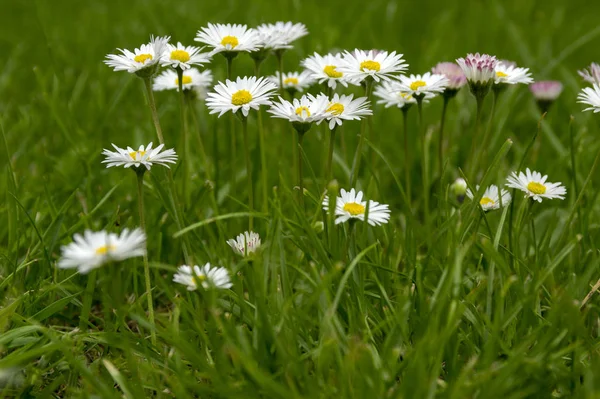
591, 74
333, 186
454, 74
318, 226
245, 244
480, 71
459, 189
545, 93
143, 61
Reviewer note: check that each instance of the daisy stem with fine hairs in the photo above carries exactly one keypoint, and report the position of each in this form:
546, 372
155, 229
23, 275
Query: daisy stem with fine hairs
441, 138
232, 153
140, 189
261, 143
248, 171
185, 134
486, 135
330, 155
424, 160
472, 156
357, 155
279, 55
87, 300
152, 105
405, 109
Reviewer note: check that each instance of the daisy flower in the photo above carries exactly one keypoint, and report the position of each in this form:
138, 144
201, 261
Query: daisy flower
326, 69
207, 276
228, 38
294, 81
420, 85
142, 61
509, 73
279, 35
391, 95
245, 244
192, 78
301, 111
183, 57
480, 71
146, 156
343, 107
244, 93
535, 185
545, 93
491, 199
454, 74
590, 96
591, 74
378, 65
349, 205
95, 248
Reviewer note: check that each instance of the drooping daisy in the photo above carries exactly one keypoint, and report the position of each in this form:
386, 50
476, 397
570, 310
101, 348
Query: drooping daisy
192, 78
590, 96
480, 71
349, 205
294, 81
183, 57
207, 276
378, 65
535, 185
228, 38
391, 95
511, 74
491, 199
343, 107
545, 93
279, 35
421, 85
245, 93
459, 189
143, 61
95, 248
245, 244
302, 112
326, 69
146, 156
591, 74
454, 74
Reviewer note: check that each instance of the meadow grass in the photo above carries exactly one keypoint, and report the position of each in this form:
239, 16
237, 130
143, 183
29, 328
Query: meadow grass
442, 302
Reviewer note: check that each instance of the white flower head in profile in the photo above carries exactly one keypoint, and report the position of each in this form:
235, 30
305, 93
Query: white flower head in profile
143, 61
207, 276
345, 108
490, 199
245, 244
535, 186
377, 65
350, 205
184, 57
228, 38
143, 156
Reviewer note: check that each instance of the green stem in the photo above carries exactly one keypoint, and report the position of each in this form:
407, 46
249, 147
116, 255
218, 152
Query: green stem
140, 187
475, 136
361, 139
87, 300
406, 154
300, 177
201, 150
184, 138
487, 134
424, 163
152, 105
248, 171
263, 152
279, 54
441, 144
328, 175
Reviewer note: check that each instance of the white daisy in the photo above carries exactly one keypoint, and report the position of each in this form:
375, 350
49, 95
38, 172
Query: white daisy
207, 276
454, 74
294, 80
244, 93
546, 90
478, 68
228, 38
192, 78
305, 110
421, 85
326, 69
591, 74
279, 35
143, 60
590, 96
349, 205
183, 57
343, 107
146, 156
95, 248
535, 186
245, 244
378, 65
510, 74
490, 199
391, 95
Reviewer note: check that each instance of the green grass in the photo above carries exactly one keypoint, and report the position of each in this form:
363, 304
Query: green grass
452, 310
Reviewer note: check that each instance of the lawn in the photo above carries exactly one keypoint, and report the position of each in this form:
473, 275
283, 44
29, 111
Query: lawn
446, 296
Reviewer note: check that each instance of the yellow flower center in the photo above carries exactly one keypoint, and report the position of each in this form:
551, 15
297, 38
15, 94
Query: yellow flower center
230, 42
354, 209
336, 108
370, 65
501, 74
290, 81
105, 249
241, 97
303, 111
180, 55
141, 58
186, 80
331, 71
416, 84
487, 201
406, 96
133, 154
536, 188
